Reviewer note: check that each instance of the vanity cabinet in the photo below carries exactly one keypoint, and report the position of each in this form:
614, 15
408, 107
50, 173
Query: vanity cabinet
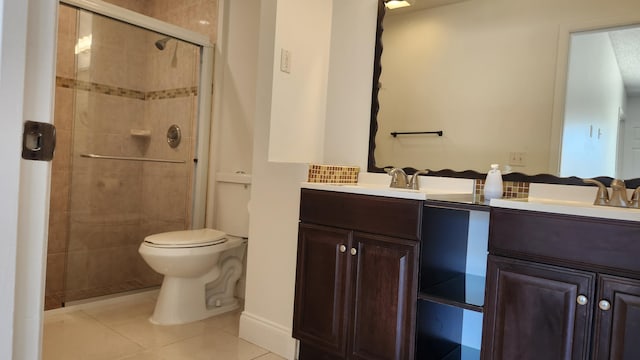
561, 287
356, 278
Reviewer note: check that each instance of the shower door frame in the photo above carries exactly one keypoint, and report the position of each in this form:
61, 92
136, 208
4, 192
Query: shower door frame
205, 88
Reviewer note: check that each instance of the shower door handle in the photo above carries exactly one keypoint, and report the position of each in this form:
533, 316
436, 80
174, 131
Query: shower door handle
38, 141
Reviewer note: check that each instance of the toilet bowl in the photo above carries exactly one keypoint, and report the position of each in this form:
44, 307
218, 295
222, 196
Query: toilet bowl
196, 283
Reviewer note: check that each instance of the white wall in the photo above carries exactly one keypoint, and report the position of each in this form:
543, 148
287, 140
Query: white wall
349, 87
477, 70
268, 315
236, 67
595, 93
266, 320
12, 57
298, 105
631, 142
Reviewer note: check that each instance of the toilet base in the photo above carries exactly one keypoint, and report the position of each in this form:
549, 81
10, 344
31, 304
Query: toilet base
184, 300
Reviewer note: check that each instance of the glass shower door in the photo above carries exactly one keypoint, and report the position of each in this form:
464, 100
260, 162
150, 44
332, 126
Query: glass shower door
128, 99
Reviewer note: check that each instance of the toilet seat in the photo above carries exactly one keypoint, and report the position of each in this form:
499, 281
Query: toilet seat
186, 239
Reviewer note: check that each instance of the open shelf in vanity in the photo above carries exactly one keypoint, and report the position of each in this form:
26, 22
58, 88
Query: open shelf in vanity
462, 290
450, 300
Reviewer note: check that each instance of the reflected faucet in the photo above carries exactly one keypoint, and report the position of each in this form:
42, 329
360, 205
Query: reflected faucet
618, 196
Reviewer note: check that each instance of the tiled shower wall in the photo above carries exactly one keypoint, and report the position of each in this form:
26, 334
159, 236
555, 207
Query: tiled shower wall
115, 203
196, 15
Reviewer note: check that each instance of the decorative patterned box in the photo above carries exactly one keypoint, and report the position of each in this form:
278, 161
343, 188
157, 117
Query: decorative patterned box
512, 189
334, 174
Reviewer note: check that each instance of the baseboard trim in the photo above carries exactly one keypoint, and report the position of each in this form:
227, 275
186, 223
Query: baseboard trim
269, 335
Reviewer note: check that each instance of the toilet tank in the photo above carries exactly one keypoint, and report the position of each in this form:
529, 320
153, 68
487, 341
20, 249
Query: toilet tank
232, 203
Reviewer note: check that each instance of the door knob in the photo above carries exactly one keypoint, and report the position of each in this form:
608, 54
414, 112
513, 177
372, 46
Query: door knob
604, 305
354, 251
342, 248
582, 300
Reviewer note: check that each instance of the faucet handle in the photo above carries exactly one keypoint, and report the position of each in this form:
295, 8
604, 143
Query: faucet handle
415, 180
602, 197
398, 178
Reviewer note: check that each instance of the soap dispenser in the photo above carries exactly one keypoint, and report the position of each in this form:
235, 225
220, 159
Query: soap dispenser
493, 183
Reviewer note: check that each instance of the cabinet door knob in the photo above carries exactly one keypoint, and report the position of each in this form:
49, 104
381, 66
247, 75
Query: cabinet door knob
342, 248
604, 305
582, 300
354, 251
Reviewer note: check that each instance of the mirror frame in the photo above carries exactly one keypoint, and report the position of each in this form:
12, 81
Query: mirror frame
466, 174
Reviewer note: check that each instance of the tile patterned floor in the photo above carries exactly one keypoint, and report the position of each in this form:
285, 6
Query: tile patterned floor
118, 329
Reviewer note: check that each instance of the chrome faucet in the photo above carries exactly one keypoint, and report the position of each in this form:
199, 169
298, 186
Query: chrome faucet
414, 183
618, 196
400, 180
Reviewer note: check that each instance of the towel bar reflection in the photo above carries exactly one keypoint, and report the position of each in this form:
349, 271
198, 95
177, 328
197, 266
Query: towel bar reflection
130, 158
396, 133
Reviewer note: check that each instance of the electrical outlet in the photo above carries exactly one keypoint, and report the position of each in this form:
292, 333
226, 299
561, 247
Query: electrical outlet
285, 61
517, 158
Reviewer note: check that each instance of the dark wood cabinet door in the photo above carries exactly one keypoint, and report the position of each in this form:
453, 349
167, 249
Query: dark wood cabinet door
384, 300
532, 312
617, 324
320, 305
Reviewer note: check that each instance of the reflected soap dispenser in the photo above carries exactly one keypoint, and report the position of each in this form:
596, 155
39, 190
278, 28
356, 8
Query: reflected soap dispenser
493, 183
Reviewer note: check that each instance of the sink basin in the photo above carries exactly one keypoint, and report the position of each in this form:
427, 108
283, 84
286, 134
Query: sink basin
578, 208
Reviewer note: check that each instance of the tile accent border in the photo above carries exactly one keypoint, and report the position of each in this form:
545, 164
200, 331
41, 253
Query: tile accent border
123, 92
512, 189
333, 174
171, 93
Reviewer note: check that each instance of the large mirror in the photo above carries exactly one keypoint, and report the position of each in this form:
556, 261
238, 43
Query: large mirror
538, 86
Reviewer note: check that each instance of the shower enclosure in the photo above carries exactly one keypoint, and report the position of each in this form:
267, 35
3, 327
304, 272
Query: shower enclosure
132, 148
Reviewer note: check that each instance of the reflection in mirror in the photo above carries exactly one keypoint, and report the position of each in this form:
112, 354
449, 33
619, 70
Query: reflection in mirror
492, 76
601, 132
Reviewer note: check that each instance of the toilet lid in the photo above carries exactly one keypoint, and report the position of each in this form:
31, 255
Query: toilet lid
187, 238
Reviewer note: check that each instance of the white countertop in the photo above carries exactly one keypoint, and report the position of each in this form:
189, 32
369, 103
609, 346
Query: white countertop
575, 205
378, 185
558, 199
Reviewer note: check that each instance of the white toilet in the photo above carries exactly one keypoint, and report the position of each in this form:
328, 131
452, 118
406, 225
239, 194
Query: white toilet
201, 267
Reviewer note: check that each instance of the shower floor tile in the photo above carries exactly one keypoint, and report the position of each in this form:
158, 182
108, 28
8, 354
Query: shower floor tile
118, 329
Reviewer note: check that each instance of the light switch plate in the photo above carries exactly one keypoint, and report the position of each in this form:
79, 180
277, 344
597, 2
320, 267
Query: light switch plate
285, 61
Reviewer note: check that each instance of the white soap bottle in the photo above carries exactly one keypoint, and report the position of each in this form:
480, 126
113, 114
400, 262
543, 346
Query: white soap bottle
493, 183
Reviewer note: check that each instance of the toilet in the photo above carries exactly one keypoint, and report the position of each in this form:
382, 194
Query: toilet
201, 267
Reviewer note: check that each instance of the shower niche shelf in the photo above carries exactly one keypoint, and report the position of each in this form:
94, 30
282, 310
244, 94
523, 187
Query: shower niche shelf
141, 133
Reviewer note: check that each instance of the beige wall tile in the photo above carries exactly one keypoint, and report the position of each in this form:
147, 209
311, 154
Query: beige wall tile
65, 59
139, 6
63, 111
55, 273
76, 276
